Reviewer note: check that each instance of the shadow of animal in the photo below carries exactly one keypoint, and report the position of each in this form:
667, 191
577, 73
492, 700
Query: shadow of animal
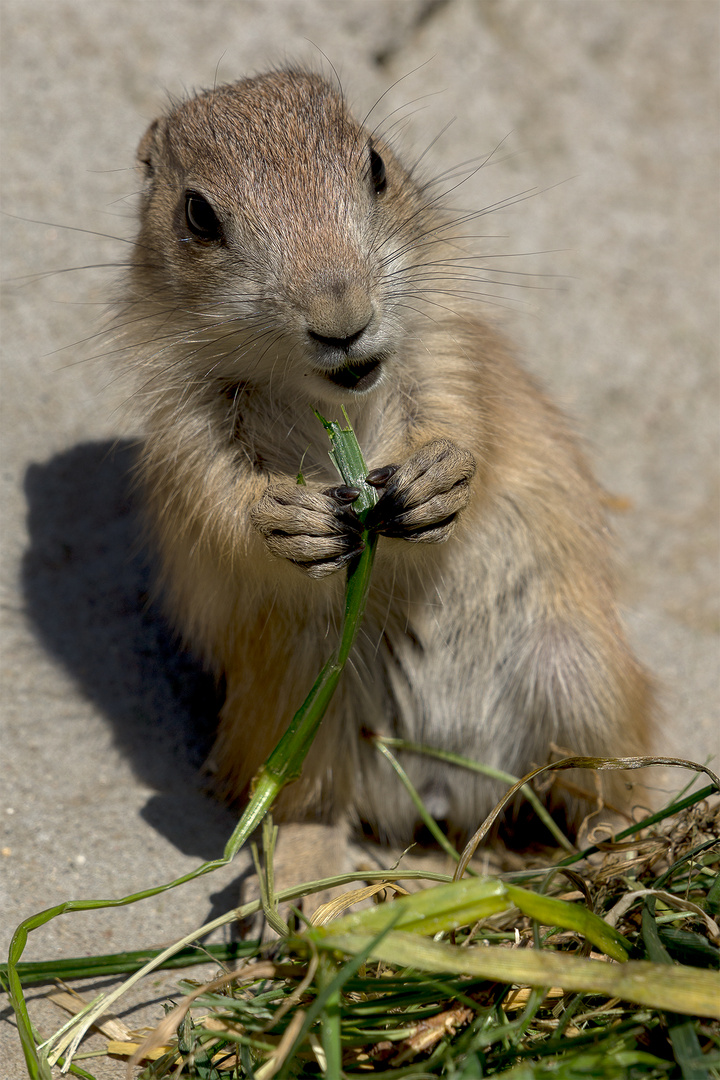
86, 579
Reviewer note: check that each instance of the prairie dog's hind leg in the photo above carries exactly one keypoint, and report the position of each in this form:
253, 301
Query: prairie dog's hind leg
567, 683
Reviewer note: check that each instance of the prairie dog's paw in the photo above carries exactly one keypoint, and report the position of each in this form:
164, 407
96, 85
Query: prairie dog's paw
422, 498
304, 852
317, 530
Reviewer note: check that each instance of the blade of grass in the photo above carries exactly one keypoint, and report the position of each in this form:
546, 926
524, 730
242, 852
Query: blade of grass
347, 458
426, 818
553, 912
85, 967
486, 770
333, 986
330, 1026
682, 1035
285, 762
575, 762
688, 990
462, 903
712, 900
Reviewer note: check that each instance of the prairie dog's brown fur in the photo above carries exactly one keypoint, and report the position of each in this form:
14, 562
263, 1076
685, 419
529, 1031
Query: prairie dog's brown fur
284, 254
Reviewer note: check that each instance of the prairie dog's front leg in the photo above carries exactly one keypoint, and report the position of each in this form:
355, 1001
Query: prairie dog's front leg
422, 498
316, 530
320, 533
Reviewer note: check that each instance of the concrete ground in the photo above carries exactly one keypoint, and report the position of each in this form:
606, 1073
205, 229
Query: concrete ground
607, 112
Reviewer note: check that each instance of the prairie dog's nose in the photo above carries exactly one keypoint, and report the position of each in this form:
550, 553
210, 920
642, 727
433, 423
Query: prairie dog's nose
339, 309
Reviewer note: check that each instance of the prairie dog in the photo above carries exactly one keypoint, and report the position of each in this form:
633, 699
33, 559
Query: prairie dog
286, 259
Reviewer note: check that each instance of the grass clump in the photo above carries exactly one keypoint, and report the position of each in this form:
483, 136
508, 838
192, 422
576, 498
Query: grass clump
609, 967
496, 990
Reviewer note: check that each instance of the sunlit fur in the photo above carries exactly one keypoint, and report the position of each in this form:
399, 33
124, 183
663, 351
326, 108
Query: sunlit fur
495, 644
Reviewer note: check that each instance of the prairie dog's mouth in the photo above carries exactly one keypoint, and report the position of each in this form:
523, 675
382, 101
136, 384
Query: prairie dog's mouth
359, 377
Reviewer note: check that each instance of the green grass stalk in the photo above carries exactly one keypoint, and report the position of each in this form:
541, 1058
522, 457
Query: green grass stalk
283, 765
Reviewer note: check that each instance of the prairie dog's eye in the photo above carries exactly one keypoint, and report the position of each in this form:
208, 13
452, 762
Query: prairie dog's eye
377, 172
202, 221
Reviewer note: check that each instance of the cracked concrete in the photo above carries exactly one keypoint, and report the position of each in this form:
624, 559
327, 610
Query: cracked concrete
605, 114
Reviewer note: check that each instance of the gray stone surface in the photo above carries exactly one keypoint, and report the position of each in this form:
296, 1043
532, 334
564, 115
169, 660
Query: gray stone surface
604, 113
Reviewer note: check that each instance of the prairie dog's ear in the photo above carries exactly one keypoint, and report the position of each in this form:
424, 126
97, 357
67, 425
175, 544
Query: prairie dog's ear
147, 150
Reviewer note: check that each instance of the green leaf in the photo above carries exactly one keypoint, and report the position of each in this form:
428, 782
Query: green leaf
462, 903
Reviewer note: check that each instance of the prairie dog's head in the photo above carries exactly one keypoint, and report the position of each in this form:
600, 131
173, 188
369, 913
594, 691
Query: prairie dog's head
276, 231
